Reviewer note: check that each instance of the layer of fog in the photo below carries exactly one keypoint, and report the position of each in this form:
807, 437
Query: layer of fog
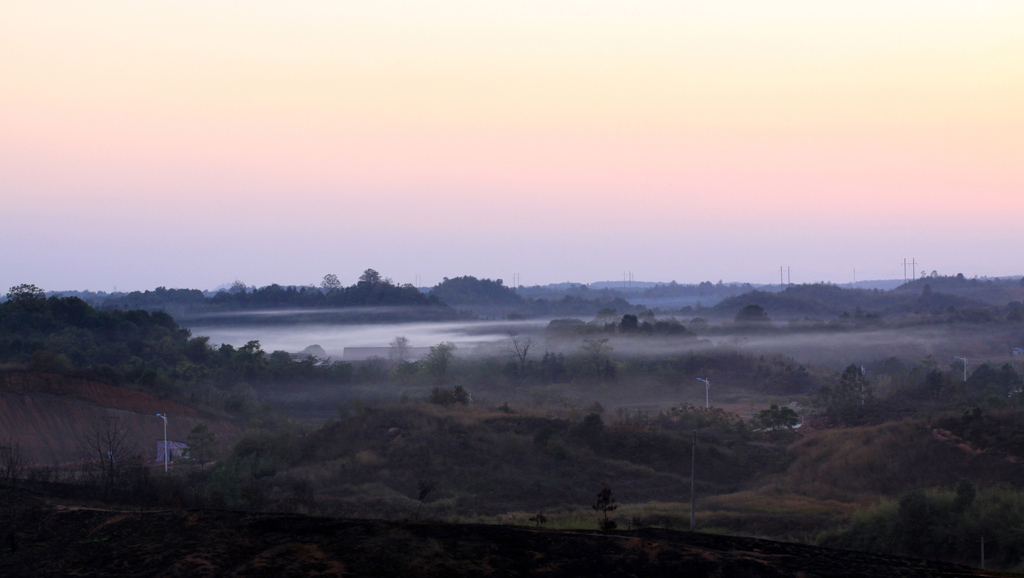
323, 312
335, 337
669, 303
826, 348
911, 344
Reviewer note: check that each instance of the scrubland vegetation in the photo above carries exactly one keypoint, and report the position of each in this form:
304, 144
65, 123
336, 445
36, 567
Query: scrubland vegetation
895, 452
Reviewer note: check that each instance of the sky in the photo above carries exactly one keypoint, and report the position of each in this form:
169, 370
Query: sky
192, 143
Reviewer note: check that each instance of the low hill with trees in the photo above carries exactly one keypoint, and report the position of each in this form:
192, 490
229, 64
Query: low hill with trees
146, 352
825, 301
991, 291
493, 299
379, 297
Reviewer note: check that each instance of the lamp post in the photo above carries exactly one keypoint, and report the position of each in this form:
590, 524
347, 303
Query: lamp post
963, 359
164, 417
707, 394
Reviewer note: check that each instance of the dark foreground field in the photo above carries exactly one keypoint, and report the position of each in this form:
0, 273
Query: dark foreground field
85, 542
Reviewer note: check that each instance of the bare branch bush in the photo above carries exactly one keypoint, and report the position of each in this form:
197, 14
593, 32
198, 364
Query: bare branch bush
12, 462
107, 445
519, 347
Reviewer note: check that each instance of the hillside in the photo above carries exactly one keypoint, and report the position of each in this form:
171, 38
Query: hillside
60, 541
47, 415
992, 291
827, 301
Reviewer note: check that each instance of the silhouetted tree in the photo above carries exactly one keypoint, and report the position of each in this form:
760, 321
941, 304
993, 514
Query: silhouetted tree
439, 360
520, 348
605, 503
398, 350
597, 353
852, 400
752, 314
330, 283
372, 278
108, 442
201, 443
423, 487
629, 324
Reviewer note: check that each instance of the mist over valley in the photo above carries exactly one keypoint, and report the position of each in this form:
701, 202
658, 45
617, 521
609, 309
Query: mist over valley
657, 289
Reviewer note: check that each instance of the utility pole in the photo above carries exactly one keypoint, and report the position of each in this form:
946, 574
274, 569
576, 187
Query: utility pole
913, 269
904, 270
693, 486
782, 282
789, 279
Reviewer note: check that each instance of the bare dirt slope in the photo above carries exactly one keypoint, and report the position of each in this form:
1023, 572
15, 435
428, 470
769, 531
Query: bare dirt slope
47, 414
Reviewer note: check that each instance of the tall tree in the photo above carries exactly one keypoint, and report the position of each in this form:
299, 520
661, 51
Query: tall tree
201, 443
330, 283
597, 352
398, 350
108, 441
371, 277
439, 360
520, 348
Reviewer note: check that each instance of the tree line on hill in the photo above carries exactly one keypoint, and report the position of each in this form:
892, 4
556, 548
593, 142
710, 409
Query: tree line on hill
383, 300
143, 350
469, 297
826, 301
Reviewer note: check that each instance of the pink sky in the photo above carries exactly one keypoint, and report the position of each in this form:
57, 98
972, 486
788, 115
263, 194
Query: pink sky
189, 145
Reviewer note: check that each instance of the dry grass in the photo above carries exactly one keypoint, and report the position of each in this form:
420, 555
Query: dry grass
851, 465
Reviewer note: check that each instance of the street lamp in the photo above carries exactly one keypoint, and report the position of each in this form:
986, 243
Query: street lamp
963, 359
164, 417
707, 389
